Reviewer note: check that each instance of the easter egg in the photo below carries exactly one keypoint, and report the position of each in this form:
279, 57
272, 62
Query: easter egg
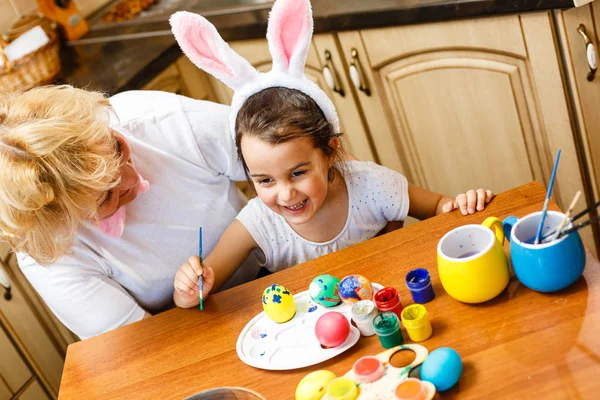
332, 329
324, 290
312, 386
442, 367
278, 303
354, 288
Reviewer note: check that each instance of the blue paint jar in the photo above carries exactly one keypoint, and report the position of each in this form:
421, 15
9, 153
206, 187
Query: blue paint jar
418, 282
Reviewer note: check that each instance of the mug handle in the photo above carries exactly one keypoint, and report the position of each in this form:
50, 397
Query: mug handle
496, 225
508, 224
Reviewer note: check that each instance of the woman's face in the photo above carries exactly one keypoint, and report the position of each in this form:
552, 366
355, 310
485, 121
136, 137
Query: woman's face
128, 189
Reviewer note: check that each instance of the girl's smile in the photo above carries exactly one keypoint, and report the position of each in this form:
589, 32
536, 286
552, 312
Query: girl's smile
290, 178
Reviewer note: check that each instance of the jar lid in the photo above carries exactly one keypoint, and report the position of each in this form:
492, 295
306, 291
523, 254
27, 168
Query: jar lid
410, 389
368, 369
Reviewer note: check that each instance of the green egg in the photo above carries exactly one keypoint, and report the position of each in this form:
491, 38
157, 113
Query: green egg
324, 290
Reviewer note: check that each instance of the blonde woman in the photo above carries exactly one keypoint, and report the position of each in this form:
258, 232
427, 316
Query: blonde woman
102, 198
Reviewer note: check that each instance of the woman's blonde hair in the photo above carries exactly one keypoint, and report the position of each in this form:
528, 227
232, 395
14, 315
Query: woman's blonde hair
57, 156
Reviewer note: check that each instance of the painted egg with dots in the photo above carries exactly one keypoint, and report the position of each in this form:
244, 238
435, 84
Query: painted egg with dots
278, 303
324, 290
354, 288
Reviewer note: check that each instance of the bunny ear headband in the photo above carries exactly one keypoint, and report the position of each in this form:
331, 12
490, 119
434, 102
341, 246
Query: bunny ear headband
289, 34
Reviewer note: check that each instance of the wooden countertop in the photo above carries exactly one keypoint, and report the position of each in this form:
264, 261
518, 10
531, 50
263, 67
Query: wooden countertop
520, 345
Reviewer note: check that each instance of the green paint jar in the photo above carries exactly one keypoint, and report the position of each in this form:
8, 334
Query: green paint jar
387, 328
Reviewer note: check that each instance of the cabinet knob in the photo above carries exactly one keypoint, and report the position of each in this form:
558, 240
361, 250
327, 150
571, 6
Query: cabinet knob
331, 76
591, 52
5, 283
356, 73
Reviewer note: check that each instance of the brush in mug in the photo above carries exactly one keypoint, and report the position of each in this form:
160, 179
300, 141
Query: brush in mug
538, 235
550, 237
576, 227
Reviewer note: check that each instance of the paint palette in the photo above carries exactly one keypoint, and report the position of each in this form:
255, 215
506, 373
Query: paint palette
266, 344
384, 387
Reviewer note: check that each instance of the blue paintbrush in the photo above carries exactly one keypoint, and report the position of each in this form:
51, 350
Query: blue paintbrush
545, 208
200, 283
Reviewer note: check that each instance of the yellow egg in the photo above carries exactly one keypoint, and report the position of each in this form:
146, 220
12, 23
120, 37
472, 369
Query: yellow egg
312, 386
278, 303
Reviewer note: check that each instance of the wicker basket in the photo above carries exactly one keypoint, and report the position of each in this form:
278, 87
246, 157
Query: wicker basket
33, 69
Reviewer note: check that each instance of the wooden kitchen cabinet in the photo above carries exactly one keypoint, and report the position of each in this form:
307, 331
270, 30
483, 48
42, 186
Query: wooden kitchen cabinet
32, 349
356, 139
585, 94
468, 103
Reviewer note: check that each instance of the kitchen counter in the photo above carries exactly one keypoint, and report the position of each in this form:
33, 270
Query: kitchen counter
127, 55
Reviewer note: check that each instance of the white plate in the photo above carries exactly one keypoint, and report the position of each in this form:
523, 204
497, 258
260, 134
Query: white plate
266, 344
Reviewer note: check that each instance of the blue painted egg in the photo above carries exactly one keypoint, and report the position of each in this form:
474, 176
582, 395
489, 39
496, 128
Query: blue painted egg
354, 288
324, 290
442, 367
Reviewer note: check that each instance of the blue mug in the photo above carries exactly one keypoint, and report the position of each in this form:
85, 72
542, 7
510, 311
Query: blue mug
545, 267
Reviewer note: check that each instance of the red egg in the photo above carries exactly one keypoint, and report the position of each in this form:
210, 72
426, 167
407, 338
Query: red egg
332, 329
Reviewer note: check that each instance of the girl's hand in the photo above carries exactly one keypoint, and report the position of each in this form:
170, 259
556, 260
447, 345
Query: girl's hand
470, 202
186, 293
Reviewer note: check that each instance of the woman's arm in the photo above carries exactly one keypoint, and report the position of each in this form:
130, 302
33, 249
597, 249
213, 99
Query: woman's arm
232, 249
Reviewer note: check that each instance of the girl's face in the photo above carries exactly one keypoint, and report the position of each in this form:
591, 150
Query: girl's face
290, 178
128, 189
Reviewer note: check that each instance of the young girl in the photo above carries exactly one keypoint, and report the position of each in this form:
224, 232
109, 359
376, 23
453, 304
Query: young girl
311, 199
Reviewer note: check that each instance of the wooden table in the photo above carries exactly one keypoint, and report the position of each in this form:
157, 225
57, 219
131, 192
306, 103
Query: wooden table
520, 345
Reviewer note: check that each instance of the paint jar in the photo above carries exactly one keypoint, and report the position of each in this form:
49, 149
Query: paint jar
363, 313
388, 299
342, 388
416, 321
410, 389
418, 282
387, 328
368, 369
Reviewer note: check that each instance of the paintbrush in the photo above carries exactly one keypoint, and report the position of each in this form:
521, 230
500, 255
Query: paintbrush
545, 208
566, 218
581, 225
575, 218
200, 281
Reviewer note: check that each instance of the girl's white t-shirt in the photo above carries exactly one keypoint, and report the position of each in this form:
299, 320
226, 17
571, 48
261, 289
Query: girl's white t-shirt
184, 149
376, 196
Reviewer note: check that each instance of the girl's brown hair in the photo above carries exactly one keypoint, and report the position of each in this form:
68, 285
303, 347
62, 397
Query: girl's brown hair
57, 156
278, 115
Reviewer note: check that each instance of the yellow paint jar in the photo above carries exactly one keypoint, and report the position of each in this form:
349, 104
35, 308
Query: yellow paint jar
416, 321
342, 388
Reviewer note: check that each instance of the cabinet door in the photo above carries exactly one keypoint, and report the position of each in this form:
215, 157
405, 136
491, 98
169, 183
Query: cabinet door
33, 391
20, 320
585, 93
470, 103
5, 393
257, 53
13, 370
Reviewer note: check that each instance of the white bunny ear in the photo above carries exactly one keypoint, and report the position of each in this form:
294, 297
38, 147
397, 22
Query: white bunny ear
289, 33
203, 45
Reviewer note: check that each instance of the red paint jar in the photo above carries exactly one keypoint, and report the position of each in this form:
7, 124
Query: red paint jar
388, 299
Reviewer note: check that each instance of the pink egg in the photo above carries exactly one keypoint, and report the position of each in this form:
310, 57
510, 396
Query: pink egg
332, 329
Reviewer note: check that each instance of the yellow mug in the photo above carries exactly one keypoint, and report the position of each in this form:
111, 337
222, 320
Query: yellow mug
472, 264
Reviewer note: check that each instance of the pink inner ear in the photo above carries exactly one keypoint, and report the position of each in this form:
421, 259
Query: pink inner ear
201, 40
292, 26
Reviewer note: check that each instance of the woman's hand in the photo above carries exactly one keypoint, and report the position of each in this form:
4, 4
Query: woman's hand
186, 293
470, 202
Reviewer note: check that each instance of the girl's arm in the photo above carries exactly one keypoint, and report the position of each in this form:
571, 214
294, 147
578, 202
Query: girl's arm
233, 247
426, 204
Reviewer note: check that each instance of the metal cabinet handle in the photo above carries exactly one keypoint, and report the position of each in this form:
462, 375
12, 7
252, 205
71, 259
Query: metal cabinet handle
331, 76
591, 53
5, 283
357, 75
